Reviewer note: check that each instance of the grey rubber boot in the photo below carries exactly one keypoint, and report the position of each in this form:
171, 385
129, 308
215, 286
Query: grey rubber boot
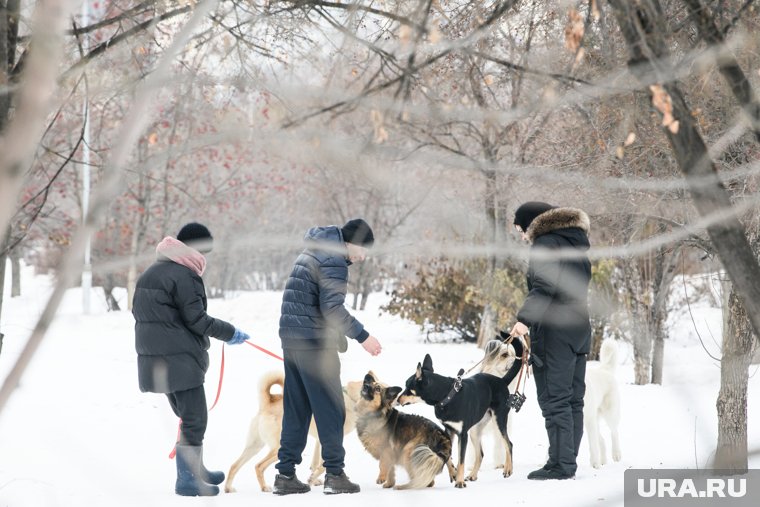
189, 478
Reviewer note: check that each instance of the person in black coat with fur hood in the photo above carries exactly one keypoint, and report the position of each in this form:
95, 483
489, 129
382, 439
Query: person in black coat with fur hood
555, 312
172, 331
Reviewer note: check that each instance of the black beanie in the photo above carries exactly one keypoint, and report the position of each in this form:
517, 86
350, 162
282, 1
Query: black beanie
358, 232
528, 211
195, 233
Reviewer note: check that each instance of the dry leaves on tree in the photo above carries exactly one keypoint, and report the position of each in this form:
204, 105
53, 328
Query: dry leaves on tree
574, 30
662, 102
381, 135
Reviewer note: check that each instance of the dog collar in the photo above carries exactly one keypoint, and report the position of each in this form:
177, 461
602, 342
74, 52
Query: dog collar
454, 390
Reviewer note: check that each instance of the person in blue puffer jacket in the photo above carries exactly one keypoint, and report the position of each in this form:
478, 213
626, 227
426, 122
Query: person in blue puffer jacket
313, 328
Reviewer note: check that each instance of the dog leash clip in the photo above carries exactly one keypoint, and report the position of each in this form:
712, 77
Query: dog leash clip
458, 381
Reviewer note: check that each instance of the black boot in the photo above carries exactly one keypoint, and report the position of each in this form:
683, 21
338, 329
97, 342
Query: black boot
544, 473
189, 481
288, 485
210, 476
336, 484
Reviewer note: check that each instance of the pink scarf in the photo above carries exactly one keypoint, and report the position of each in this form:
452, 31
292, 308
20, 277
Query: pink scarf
180, 253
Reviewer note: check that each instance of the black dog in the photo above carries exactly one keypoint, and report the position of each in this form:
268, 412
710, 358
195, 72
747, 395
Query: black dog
461, 403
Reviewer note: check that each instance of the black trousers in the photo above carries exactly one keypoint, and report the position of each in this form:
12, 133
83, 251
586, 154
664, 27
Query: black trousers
190, 406
560, 386
312, 387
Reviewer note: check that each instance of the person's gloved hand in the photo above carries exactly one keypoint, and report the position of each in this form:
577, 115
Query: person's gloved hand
238, 337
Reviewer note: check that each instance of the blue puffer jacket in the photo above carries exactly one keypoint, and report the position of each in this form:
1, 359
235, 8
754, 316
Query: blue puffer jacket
313, 315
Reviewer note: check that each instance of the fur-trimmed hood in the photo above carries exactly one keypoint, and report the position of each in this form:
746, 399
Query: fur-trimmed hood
556, 219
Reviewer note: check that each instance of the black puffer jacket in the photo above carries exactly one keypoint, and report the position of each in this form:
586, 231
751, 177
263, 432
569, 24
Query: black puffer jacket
313, 315
557, 302
172, 328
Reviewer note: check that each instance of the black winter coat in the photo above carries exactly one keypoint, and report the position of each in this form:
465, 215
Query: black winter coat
313, 312
556, 307
172, 328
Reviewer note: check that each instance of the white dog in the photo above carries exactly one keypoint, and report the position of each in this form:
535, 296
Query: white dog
602, 401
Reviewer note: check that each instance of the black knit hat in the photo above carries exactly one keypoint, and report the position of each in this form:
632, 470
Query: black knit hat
358, 232
197, 236
528, 211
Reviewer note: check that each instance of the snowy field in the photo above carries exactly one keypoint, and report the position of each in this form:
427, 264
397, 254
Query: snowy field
78, 433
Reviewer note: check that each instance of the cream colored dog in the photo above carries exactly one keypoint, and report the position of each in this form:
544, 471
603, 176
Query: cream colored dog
266, 426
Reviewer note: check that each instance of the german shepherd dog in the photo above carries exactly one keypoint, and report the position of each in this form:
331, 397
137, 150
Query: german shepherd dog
395, 438
266, 426
460, 410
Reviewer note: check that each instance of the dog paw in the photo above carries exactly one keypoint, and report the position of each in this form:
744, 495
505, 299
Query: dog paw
499, 465
507, 473
315, 482
229, 489
617, 456
266, 489
460, 485
471, 478
380, 480
596, 465
389, 485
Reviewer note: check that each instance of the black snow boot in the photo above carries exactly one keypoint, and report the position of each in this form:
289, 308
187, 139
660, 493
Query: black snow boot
544, 473
336, 484
189, 475
288, 485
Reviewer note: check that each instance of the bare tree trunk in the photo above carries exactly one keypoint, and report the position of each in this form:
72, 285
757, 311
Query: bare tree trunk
366, 289
658, 352
15, 274
738, 344
665, 272
642, 26
642, 355
108, 287
132, 273
597, 336
3, 261
487, 325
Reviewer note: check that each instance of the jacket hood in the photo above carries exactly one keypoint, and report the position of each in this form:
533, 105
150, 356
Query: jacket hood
571, 223
325, 233
327, 239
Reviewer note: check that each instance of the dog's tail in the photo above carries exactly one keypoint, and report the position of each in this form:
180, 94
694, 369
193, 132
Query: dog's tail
270, 379
515, 368
425, 464
608, 355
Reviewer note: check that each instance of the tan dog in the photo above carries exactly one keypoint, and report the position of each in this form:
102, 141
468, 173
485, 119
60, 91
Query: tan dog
498, 357
266, 426
395, 438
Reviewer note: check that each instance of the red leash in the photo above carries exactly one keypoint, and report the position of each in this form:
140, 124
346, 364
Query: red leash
219, 389
265, 351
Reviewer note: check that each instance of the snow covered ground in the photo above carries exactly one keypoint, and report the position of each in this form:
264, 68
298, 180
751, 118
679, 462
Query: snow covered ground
78, 433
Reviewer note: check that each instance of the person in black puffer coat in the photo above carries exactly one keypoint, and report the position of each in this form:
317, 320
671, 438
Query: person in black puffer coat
172, 332
313, 328
556, 314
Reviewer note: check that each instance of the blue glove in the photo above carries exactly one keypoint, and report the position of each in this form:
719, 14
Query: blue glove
238, 338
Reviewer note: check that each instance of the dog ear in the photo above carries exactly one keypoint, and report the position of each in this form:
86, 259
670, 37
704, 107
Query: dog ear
392, 393
427, 364
418, 374
368, 378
